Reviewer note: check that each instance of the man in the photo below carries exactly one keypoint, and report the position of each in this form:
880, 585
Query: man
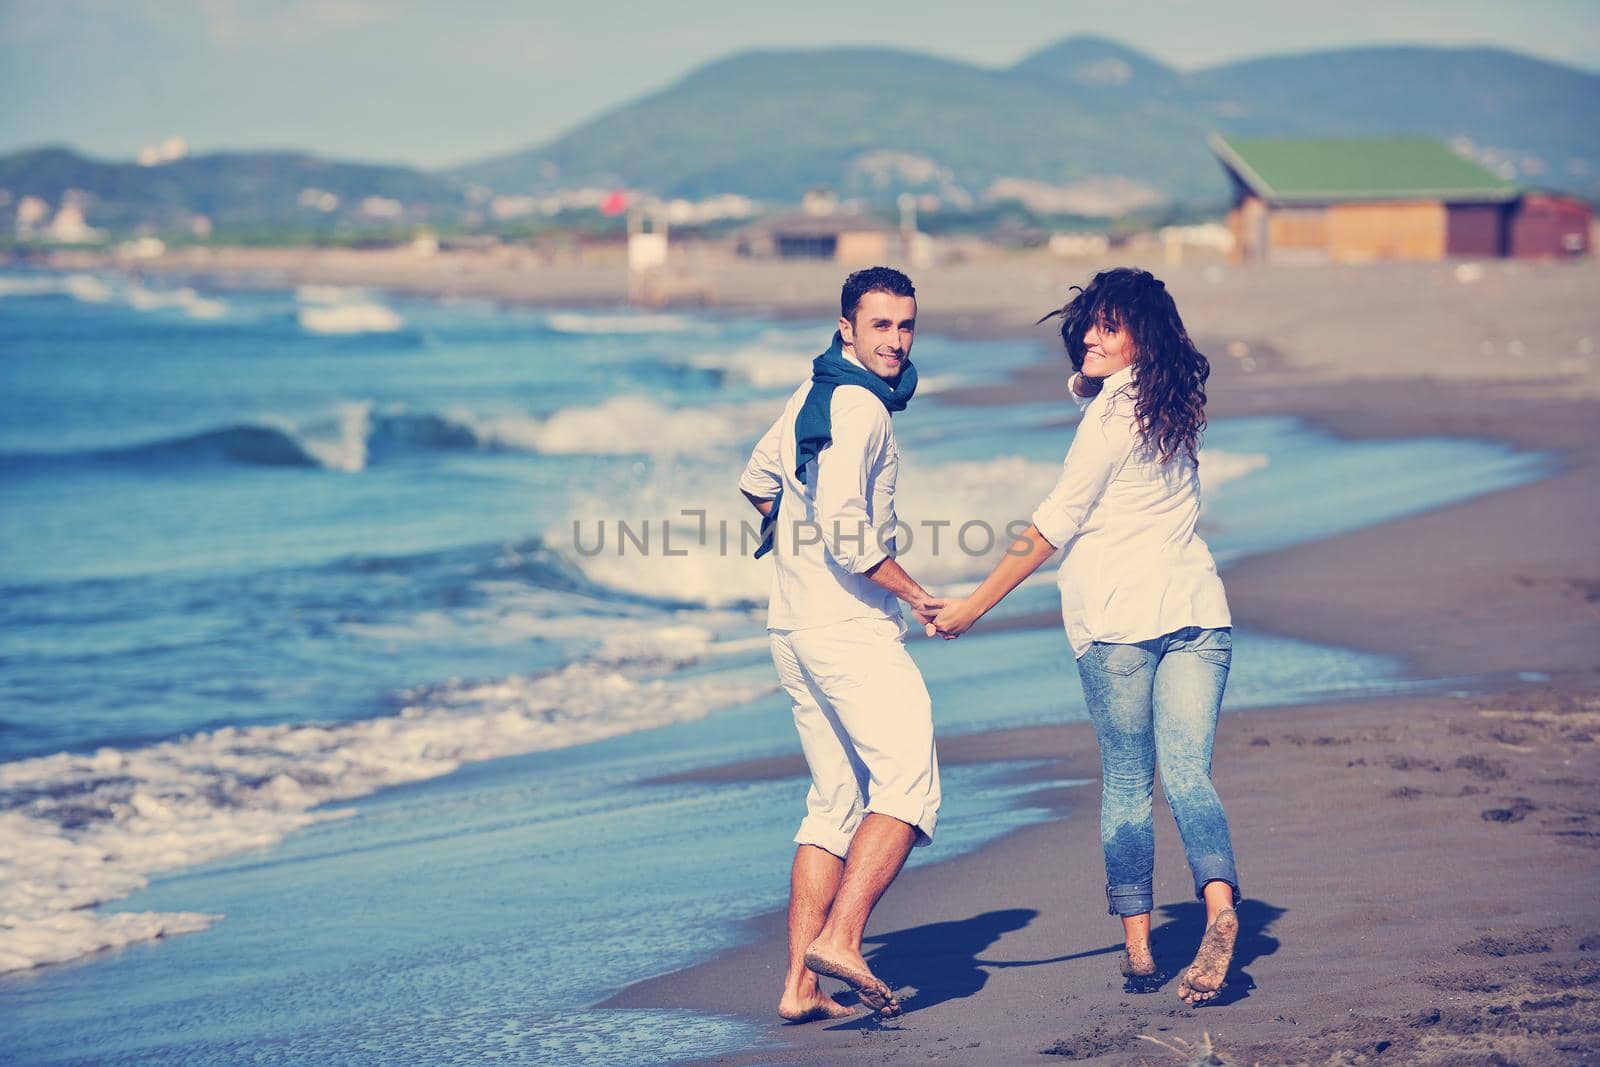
823, 476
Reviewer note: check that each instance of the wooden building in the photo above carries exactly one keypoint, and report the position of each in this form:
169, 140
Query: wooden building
845, 238
1402, 198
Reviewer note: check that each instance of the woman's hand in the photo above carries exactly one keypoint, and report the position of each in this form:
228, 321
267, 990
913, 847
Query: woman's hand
925, 608
955, 619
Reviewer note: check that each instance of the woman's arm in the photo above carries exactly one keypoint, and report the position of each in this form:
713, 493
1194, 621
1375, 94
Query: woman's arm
1100, 447
1026, 555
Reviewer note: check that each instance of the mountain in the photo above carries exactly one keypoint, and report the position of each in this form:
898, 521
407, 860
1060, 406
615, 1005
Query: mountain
1085, 126
256, 191
1083, 111
1090, 64
1537, 116
772, 124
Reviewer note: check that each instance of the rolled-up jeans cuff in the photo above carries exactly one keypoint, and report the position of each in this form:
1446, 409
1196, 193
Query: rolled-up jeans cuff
1215, 869
1130, 899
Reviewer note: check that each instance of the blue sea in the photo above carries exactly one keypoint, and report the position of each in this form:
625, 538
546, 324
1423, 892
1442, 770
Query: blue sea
343, 639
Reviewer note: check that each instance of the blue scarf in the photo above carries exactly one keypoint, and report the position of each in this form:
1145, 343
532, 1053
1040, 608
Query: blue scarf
813, 426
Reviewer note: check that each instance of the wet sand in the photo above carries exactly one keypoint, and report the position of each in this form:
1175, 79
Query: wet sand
1419, 871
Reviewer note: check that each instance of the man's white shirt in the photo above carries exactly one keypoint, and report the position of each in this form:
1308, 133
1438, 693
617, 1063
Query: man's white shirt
839, 523
1134, 569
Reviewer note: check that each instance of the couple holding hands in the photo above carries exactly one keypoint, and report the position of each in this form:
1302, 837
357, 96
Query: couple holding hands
1144, 610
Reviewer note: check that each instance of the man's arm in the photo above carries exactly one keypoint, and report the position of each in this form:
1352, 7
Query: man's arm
894, 578
762, 479
844, 468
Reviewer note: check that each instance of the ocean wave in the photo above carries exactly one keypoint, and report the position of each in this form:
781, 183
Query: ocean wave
332, 294
28, 285
765, 366
78, 831
356, 434
777, 362
340, 441
346, 319
584, 323
92, 289
698, 535
186, 300
628, 425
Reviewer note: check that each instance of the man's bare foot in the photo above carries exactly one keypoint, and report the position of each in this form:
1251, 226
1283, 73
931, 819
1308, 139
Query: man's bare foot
803, 1009
1205, 975
851, 969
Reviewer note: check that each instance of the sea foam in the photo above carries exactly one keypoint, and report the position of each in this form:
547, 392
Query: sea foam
92, 289
707, 560
628, 425
340, 319
81, 830
581, 323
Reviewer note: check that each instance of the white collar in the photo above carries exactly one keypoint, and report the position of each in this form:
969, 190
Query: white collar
850, 356
1113, 382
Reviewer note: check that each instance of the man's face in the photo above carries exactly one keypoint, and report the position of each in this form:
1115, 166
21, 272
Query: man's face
1107, 348
881, 334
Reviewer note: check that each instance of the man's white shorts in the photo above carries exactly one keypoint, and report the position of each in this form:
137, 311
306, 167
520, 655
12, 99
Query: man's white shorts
866, 726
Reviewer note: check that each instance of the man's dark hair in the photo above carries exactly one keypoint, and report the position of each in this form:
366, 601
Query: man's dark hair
872, 280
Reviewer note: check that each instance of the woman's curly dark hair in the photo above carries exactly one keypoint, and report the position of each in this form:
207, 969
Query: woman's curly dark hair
1171, 373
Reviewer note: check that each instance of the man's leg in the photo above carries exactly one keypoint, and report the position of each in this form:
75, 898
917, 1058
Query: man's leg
879, 697
813, 884
879, 850
833, 811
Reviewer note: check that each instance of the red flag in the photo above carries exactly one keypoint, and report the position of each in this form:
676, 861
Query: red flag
614, 204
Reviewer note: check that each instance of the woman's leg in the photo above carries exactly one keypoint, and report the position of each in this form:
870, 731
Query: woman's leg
1189, 682
1117, 681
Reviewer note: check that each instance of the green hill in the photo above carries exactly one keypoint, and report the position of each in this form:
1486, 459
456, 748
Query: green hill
771, 124
238, 192
1087, 125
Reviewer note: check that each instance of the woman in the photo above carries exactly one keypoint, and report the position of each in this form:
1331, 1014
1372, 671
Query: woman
1143, 606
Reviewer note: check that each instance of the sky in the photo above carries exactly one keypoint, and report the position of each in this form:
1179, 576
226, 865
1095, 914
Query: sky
430, 84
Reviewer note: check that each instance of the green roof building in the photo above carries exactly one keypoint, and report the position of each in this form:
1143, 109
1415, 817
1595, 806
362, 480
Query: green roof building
1385, 198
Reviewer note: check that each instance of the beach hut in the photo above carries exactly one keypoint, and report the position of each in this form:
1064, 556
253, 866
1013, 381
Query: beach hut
1356, 200
845, 238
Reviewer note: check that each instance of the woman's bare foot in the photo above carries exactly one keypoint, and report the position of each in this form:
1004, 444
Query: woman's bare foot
1206, 974
1139, 969
818, 1005
850, 968
1137, 961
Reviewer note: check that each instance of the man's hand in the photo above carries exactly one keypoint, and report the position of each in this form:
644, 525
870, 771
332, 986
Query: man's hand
925, 608
952, 621
1081, 384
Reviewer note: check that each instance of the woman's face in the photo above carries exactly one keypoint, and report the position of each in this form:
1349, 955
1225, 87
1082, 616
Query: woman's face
1107, 349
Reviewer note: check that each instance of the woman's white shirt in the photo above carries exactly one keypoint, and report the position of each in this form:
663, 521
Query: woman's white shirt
1134, 568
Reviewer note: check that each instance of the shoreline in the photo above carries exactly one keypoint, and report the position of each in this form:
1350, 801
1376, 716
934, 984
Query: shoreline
1494, 978
1431, 797
1503, 585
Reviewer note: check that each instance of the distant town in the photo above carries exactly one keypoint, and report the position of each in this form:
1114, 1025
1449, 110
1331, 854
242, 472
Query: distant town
1344, 156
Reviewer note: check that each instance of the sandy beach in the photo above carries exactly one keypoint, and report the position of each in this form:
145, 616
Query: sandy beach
1419, 871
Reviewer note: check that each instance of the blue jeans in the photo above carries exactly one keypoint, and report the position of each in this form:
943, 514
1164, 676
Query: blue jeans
1156, 703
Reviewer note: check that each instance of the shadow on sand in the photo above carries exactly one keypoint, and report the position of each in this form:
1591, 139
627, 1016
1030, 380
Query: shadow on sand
944, 960
1173, 942
939, 959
